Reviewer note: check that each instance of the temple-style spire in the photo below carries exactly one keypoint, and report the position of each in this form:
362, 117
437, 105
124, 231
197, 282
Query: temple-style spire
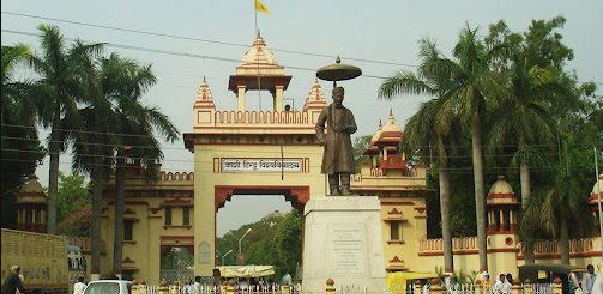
204, 98
316, 97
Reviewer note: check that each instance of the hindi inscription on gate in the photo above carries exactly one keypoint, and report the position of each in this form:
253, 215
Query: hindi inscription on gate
267, 165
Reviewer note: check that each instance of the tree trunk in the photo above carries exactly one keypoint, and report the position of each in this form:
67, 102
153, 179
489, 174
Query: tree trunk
476, 145
564, 241
120, 179
524, 174
53, 172
97, 198
445, 212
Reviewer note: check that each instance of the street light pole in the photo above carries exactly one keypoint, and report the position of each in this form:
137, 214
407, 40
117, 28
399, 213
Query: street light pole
240, 239
599, 193
225, 254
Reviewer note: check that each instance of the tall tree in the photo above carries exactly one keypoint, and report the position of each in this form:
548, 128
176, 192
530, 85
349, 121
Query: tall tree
124, 81
471, 77
431, 128
60, 89
21, 148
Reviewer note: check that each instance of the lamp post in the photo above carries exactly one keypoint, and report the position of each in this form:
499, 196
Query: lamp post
225, 254
599, 190
240, 239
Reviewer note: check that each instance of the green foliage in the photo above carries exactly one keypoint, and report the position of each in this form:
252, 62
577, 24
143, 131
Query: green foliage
361, 144
77, 224
74, 195
21, 150
274, 240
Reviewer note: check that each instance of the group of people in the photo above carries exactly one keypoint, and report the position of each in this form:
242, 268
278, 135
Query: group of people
503, 284
192, 287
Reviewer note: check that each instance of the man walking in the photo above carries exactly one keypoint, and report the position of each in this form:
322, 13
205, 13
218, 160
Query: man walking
13, 282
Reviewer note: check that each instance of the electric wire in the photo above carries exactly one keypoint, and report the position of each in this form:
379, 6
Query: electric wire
172, 36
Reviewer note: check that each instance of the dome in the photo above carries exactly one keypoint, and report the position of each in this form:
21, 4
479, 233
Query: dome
259, 60
32, 185
32, 192
377, 134
390, 124
501, 187
501, 193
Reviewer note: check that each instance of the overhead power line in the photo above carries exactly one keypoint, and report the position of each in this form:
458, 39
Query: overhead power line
175, 53
172, 36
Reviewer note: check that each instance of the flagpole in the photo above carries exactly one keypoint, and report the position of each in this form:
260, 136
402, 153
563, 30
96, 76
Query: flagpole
257, 34
256, 19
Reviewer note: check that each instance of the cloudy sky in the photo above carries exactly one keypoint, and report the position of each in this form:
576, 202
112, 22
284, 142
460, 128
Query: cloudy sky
188, 40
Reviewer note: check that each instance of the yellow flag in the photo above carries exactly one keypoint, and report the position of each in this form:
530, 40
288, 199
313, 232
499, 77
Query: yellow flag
259, 6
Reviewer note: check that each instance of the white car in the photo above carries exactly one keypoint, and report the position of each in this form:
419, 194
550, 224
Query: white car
109, 287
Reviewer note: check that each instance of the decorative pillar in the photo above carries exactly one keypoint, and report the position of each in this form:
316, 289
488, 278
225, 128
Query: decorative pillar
277, 99
516, 288
557, 287
527, 287
241, 100
435, 286
286, 288
501, 212
330, 289
163, 288
230, 289
478, 287
418, 287
142, 288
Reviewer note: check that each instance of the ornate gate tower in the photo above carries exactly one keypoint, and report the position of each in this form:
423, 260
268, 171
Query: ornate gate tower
242, 152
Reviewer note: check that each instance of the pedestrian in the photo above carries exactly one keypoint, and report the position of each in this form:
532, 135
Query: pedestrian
13, 283
508, 283
485, 281
79, 286
589, 279
197, 285
498, 285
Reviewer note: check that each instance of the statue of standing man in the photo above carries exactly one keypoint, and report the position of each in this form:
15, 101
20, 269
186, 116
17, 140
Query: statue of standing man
338, 156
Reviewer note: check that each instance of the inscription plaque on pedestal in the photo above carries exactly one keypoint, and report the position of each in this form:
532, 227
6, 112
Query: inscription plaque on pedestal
348, 252
343, 242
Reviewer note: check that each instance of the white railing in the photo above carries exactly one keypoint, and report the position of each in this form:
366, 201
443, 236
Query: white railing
206, 289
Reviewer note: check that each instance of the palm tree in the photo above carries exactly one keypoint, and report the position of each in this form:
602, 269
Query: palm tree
523, 109
472, 77
463, 81
21, 148
422, 132
59, 91
124, 81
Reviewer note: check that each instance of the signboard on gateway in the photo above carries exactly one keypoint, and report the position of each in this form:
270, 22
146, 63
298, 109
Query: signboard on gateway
267, 165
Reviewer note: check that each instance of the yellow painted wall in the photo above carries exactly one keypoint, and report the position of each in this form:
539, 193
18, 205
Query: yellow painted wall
205, 217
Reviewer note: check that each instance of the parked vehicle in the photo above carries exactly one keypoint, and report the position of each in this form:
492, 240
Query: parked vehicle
45, 263
109, 287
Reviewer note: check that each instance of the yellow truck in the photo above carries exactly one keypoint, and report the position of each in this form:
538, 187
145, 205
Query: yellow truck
42, 258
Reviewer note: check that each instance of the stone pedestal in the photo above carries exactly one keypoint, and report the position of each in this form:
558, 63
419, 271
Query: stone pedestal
343, 242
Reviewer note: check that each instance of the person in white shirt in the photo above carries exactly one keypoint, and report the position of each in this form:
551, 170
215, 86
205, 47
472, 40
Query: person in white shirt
197, 285
508, 283
498, 285
589, 279
79, 286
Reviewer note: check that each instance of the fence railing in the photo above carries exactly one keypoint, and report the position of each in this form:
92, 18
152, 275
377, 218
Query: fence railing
517, 288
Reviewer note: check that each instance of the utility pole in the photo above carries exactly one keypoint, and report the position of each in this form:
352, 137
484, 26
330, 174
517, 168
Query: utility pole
599, 195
